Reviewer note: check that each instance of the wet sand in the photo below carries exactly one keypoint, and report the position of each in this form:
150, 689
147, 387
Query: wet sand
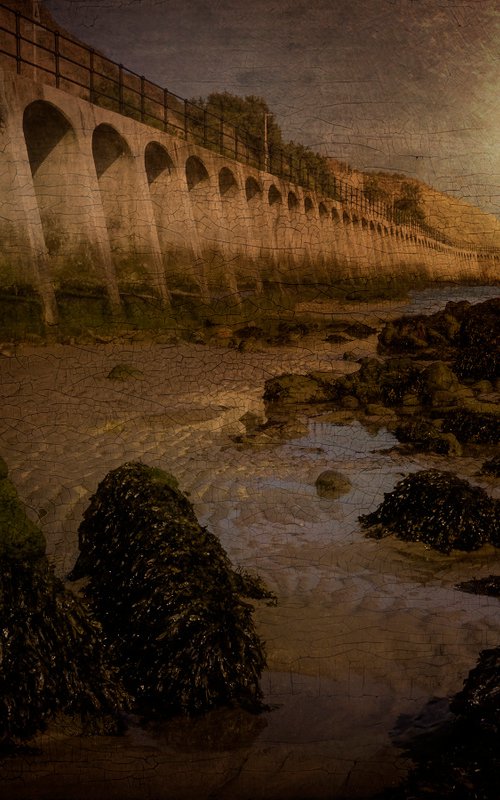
365, 633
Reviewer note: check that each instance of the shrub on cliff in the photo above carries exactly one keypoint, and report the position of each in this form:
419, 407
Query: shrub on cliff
440, 510
51, 650
169, 601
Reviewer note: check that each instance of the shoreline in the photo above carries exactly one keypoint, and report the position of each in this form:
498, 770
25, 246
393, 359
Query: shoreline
364, 633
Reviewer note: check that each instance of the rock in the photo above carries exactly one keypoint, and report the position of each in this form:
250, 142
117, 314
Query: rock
168, 598
439, 377
332, 484
491, 467
52, 653
440, 510
294, 389
350, 355
471, 426
350, 402
124, 372
479, 700
425, 437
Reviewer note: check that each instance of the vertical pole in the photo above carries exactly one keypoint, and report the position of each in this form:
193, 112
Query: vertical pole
221, 136
18, 42
92, 97
120, 87
57, 60
266, 145
165, 109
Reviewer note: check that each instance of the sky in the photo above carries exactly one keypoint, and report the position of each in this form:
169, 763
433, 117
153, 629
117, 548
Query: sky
410, 86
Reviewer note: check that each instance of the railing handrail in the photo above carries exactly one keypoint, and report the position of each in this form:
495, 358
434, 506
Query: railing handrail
191, 121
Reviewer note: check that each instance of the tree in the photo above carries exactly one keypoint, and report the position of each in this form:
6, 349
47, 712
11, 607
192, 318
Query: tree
407, 206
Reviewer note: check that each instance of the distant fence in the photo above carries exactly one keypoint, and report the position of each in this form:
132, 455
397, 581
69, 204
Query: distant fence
37, 51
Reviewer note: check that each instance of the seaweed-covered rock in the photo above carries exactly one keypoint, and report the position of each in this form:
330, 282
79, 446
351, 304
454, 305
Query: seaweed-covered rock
51, 650
489, 586
169, 601
492, 467
439, 509
474, 330
479, 700
471, 426
425, 436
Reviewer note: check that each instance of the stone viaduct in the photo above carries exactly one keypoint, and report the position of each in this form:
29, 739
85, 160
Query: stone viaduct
95, 203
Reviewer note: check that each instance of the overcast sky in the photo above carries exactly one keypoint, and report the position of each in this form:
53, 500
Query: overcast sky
410, 86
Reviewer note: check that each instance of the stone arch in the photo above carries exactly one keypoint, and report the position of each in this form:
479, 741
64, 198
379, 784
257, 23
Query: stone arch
274, 195
364, 223
379, 229
293, 202
335, 215
308, 205
163, 187
51, 144
158, 163
196, 172
119, 184
372, 226
346, 218
252, 188
227, 182
355, 219
108, 147
323, 211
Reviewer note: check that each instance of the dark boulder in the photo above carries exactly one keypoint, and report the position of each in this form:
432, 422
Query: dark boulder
440, 510
52, 656
171, 605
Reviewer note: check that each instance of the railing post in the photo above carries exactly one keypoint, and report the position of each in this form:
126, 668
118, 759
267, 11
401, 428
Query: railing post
142, 98
221, 136
91, 77
18, 42
165, 109
56, 54
120, 87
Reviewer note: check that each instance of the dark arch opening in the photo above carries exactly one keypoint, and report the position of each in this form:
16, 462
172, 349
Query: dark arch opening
107, 147
274, 195
323, 211
308, 205
372, 225
293, 202
196, 172
44, 127
346, 218
355, 220
227, 181
252, 188
335, 215
364, 223
157, 161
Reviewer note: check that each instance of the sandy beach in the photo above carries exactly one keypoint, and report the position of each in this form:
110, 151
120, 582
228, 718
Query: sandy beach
368, 638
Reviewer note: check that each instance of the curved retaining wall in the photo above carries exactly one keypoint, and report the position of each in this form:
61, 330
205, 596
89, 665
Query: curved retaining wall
95, 202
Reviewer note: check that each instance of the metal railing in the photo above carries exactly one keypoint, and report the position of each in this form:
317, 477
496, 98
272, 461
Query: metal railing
38, 51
